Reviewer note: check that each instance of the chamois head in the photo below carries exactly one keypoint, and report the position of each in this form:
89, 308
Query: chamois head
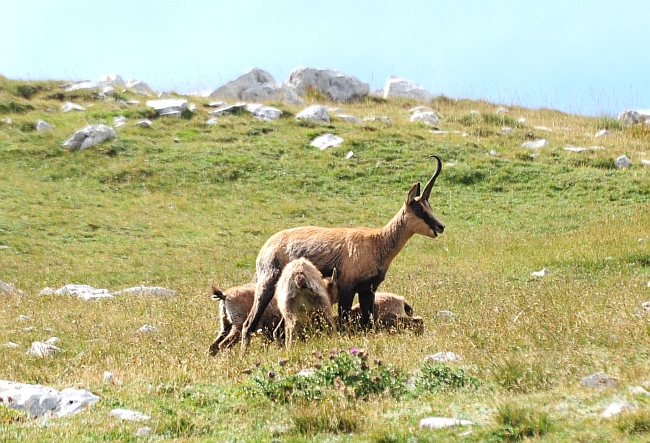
418, 206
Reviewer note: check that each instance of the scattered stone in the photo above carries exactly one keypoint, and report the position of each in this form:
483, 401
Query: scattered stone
153, 291
139, 86
147, 329
306, 373
541, 273
535, 144
384, 119
335, 85
83, 84
24, 318
228, 109
40, 349
146, 123
176, 140
623, 162
501, 110
617, 408
278, 92
143, 431
234, 89
168, 107
43, 126
349, 155
543, 128
217, 104
494, 153
316, 113
349, 118
400, 87
112, 79
521, 120
439, 132
630, 117
6, 121
11, 344
163, 95
211, 121
264, 112
108, 377
108, 90
47, 291
83, 292
9, 289
602, 133
69, 106
645, 162
571, 148
599, 380
445, 313
52, 341
127, 414
119, 120
506, 130
90, 136
638, 390
38, 400
442, 357
426, 117
133, 102
442, 422
327, 141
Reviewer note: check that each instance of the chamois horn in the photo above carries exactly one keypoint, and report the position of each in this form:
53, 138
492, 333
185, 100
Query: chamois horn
427, 188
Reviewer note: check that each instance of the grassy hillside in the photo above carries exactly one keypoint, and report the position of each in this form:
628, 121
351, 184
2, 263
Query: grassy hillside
185, 205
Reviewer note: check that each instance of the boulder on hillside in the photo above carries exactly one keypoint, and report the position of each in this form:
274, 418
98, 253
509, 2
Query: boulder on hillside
9, 289
264, 112
83, 292
426, 116
335, 85
139, 86
267, 92
38, 400
316, 113
634, 117
399, 87
112, 79
90, 136
233, 89
43, 126
69, 106
168, 107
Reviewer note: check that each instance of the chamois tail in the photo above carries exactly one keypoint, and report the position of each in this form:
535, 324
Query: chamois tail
217, 294
408, 309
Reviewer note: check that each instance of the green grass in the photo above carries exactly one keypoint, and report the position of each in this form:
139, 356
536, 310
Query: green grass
147, 210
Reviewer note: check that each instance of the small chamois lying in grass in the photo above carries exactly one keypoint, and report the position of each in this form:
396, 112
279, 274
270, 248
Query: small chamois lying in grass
389, 313
362, 255
304, 297
236, 303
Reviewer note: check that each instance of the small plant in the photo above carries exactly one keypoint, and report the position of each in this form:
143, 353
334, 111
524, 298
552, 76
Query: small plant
518, 377
8, 416
517, 423
440, 377
609, 123
634, 423
332, 418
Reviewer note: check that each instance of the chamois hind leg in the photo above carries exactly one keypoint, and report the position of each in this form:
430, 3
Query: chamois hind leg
264, 292
289, 329
367, 304
226, 326
231, 339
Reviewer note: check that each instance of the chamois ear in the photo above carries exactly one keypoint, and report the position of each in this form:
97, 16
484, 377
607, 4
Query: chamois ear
414, 192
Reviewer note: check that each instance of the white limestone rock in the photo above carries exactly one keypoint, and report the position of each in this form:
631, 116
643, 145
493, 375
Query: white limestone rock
47, 291
638, 391
349, 118
617, 408
400, 87
541, 273
150, 291
83, 292
445, 314
623, 162
349, 155
108, 91
145, 123
9, 289
316, 113
233, 89
506, 130
335, 85
129, 415
40, 349
133, 102
42, 126
442, 422
602, 133
112, 79
228, 109
119, 120
327, 141
571, 148
645, 162
90, 136
279, 92
6, 121
426, 117
139, 87
442, 357
536, 144
264, 112
599, 380
168, 107
211, 121
69, 106
147, 329
631, 117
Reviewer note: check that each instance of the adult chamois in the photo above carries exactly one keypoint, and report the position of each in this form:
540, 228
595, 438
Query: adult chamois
362, 255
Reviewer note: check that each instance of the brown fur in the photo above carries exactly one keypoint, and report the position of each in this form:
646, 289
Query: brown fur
389, 313
302, 296
362, 255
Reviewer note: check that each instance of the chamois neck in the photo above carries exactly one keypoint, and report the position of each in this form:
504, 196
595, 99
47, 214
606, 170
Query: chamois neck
394, 236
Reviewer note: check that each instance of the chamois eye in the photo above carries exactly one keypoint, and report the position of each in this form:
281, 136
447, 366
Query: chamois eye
418, 209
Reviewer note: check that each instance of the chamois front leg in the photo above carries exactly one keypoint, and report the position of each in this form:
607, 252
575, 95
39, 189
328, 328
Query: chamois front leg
346, 297
367, 304
264, 292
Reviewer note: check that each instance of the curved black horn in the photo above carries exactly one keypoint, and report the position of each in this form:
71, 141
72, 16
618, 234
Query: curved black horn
427, 188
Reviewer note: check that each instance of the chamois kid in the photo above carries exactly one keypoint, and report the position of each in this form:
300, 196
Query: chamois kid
362, 255
389, 313
303, 297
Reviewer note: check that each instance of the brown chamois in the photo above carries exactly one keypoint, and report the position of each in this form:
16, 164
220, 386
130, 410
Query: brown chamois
362, 255
234, 306
304, 297
389, 313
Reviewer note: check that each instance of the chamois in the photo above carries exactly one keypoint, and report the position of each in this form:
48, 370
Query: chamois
303, 297
235, 304
389, 313
362, 255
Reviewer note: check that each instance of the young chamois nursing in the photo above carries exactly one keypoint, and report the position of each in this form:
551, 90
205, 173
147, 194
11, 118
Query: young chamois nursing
362, 255
304, 297
389, 313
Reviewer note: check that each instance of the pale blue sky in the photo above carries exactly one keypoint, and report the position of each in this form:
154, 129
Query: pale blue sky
580, 56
